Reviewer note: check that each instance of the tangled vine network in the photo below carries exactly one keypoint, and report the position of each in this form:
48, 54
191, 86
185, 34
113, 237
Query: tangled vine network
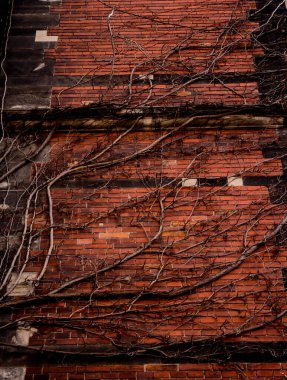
140, 239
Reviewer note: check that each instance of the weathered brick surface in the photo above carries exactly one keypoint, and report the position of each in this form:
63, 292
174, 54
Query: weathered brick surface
184, 46
151, 238
205, 229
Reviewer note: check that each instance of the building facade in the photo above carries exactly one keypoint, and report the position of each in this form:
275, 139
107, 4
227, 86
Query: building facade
143, 190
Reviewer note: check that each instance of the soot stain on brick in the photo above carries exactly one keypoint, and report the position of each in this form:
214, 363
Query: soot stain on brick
271, 36
29, 72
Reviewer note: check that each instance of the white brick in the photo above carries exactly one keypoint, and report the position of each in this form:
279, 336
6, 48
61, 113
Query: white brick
41, 33
24, 286
41, 36
235, 181
4, 185
3, 206
22, 335
148, 76
189, 182
12, 373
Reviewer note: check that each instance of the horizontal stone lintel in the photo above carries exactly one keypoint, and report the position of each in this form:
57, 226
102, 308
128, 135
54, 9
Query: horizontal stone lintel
95, 119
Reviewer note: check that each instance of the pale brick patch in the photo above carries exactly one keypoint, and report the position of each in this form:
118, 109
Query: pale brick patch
12, 373
24, 286
235, 181
41, 36
189, 182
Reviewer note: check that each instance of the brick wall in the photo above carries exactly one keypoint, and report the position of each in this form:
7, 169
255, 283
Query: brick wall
77, 53
240, 371
176, 251
177, 48
160, 279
